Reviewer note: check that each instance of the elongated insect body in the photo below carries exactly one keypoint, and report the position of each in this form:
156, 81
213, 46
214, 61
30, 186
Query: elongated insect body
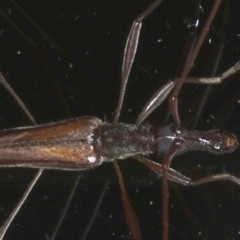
86, 142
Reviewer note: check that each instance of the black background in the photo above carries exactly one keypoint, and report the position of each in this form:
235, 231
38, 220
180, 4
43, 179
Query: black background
77, 72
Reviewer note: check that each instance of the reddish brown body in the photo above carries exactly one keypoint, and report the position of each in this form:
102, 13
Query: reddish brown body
84, 143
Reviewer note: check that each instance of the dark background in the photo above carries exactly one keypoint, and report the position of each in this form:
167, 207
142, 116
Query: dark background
64, 59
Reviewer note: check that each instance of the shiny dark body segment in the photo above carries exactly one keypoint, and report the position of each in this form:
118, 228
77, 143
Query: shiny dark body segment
87, 142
